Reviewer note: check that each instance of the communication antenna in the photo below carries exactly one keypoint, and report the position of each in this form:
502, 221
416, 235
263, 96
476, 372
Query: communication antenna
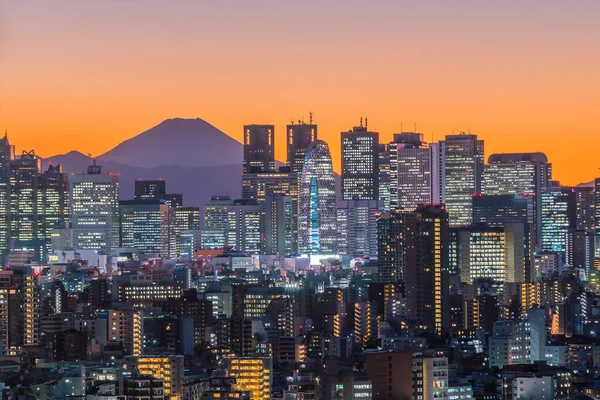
310, 117
361, 121
366, 122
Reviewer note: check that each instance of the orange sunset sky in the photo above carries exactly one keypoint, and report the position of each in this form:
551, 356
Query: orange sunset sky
524, 75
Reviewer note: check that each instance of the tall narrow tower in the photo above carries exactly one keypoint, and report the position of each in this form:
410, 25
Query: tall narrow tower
259, 148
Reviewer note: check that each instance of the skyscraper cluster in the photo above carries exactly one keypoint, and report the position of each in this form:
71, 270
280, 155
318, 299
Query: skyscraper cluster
423, 271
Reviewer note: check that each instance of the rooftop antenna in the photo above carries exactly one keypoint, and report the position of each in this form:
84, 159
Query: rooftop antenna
310, 117
292, 122
366, 122
361, 121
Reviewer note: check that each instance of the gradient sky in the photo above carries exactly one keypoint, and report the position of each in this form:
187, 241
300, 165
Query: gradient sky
524, 75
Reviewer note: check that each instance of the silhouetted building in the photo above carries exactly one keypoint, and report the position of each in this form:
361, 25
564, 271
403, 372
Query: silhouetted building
150, 189
259, 148
299, 137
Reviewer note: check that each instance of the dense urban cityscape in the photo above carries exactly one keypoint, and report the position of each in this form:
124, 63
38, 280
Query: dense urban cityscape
426, 271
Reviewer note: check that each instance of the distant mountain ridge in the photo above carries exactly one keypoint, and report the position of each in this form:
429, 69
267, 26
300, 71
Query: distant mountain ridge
178, 142
192, 156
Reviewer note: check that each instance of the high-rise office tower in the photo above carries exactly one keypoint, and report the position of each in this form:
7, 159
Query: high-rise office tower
520, 174
558, 215
25, 201
317, 215
259, 148
585, 197
482, 254
414, 172
299, 137
95, 210
7, 154
216, 222
19, 315
357, 227
360, 164
384, 176
406, 145
501, 209
580, 249
462, 157
259, 186
183, 219
54, 205
146, 226
390, 245
244, 224
280, 236
426, 266
150, 189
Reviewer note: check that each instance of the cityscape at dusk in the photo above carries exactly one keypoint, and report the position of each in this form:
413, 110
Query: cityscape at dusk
311, 200
96, 73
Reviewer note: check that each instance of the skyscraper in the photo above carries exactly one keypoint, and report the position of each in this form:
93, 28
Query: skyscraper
150, 189
413, 246
462, 156
259, 186
357, 227
414, 172
384, 176
146, 226
216, 222
54, 205
585, 196
280, 236
360, 164
520, 174
498, 210
19, 315
95, 210
7, 154
259, 148
299, 137
317, 213
244, 224
557, 216
426, 266
390, 245
410, 170
25, 201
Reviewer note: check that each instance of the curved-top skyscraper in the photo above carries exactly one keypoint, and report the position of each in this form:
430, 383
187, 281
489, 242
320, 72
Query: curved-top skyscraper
317, 213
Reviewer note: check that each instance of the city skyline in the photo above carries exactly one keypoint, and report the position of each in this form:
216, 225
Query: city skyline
511, 77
